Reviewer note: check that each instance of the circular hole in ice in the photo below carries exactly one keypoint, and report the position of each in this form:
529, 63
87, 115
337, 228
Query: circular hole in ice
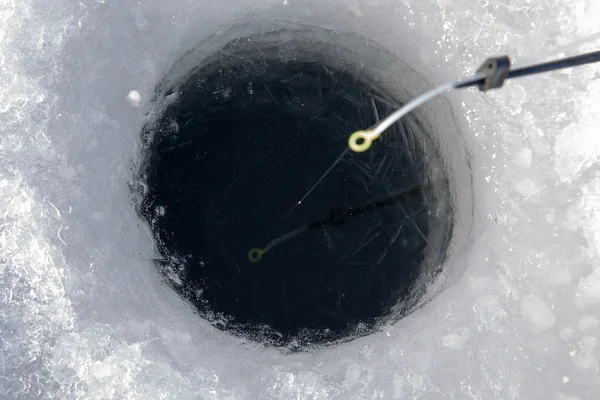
239, 140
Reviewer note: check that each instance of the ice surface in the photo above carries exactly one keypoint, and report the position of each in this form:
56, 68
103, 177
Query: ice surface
85, 315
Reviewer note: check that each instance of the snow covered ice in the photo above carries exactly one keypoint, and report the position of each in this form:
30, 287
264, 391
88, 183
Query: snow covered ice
84, 312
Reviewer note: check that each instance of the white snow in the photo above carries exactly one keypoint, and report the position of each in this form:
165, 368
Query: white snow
85, 314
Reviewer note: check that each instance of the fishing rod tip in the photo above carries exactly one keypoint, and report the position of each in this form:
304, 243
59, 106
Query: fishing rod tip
255, 254
360, 141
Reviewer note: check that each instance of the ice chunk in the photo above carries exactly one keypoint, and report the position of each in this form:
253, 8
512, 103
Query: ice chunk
588, 290
134, 98
536, 311
526, 187
456, 340
488, 313
583, 357
523, 158
588, 322
577, 148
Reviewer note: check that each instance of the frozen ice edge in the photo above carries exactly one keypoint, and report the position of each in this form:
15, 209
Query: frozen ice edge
84, 315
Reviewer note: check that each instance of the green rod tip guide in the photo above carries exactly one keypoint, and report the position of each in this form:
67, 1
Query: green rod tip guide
255, 254
360, 141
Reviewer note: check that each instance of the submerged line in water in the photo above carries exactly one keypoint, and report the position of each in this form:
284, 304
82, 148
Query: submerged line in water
337, 217
346, 151
283, 238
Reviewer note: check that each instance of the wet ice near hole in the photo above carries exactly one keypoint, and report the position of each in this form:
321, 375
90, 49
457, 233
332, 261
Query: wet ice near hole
84, 314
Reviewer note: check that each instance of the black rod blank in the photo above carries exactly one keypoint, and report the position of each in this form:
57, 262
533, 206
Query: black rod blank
568, 62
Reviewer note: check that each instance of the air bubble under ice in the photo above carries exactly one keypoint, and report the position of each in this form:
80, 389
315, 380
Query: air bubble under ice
84, 313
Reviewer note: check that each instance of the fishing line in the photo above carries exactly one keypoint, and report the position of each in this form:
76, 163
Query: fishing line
342, 155
336, 217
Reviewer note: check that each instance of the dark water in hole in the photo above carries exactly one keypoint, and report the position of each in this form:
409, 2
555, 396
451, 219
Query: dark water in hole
230, 160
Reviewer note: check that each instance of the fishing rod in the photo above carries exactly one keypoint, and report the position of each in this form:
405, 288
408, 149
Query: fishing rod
491, 75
